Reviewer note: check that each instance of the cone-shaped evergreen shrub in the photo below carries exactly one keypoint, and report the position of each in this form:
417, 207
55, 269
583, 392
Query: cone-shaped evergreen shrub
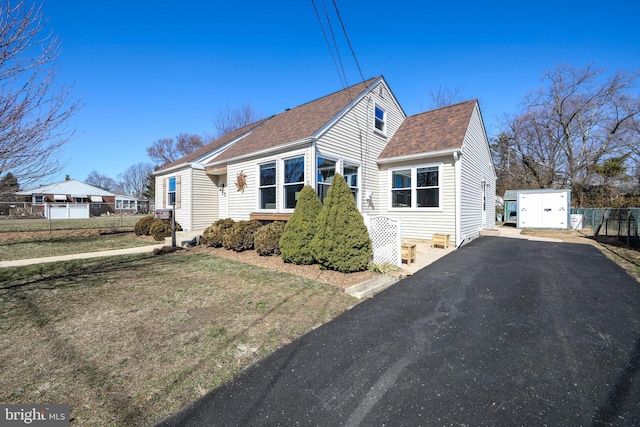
341, 241
295, 243
266, 239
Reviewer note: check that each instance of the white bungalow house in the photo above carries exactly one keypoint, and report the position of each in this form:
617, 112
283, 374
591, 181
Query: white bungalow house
432, 171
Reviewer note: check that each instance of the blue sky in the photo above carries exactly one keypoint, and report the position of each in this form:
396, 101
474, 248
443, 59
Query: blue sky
153, 69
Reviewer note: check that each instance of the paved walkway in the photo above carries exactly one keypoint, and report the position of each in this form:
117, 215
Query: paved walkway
29, 261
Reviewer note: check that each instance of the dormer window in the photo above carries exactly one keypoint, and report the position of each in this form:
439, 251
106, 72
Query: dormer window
380, 119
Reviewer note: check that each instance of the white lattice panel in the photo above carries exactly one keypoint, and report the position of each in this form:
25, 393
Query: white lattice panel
386, 238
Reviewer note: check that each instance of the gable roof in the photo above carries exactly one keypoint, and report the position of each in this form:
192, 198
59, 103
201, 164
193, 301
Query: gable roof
71, 187
294, 125
212, 146
437, 130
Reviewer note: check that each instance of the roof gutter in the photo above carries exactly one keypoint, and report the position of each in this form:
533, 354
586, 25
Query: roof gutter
283, 147
419, 156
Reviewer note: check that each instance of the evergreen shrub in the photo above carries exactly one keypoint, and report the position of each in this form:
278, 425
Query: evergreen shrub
213, 235
341, 241
143, 225
240, 236
266, 239
299, 229
161, 228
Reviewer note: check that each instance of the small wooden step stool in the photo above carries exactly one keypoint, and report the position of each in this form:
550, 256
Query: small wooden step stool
440, 239
409, 252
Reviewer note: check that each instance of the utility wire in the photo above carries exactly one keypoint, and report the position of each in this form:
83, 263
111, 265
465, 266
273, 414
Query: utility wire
324, 33
344, 30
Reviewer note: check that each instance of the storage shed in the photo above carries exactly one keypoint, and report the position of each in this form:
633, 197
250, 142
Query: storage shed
544, 208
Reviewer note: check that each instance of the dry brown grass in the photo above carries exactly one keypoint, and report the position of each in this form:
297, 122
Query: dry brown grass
130, 340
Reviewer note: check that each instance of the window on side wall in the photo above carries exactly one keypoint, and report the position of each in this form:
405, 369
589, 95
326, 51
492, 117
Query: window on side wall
416, 187
401, 188
380, 119
427, 187
293, 181
326, 172
267, 187
171, 193
351, 177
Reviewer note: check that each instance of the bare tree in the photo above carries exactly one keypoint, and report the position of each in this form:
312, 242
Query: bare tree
168, 150
33, 112
102, 181
579, 119
445, 96
135, 180
230, 119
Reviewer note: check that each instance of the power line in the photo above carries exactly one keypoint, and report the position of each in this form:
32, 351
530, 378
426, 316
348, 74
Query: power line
344, 30
324, 33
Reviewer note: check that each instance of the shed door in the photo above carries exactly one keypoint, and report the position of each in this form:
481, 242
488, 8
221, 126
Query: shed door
554, 210
529, 210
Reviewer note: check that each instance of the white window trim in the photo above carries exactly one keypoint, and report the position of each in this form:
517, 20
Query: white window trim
385, 120
175, 191
359, 178
258, 193
337, 167
281, 184
414, 193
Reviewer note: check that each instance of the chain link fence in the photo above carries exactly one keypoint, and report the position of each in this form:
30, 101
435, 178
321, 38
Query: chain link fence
614, 222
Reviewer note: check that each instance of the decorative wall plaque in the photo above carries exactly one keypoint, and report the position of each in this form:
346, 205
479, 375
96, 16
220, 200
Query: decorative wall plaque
241, 181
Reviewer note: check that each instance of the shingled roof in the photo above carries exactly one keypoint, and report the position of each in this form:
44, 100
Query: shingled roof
296, 124
432, 131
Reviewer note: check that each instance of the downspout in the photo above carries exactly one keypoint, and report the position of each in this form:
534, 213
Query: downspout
457, 185
191, 201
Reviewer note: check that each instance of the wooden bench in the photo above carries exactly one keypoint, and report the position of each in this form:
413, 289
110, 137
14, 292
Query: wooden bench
409, 252
440, 239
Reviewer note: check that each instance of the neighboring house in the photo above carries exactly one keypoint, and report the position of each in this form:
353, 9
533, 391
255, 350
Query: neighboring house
69, 194
432, 171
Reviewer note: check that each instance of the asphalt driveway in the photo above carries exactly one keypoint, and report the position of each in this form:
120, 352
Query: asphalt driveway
502, 332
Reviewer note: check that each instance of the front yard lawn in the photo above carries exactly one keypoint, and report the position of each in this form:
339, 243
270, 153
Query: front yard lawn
129, 340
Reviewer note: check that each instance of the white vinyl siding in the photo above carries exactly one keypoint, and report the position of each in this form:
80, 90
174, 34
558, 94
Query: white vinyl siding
422, 223
205, 197
476, 168
241, 204
183, 195
352, 140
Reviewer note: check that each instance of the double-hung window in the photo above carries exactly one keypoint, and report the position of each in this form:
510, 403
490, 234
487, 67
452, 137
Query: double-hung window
293, 181
267, 188
171, 193
401, 188
427, 187
380, 119
416, 187
326, 172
